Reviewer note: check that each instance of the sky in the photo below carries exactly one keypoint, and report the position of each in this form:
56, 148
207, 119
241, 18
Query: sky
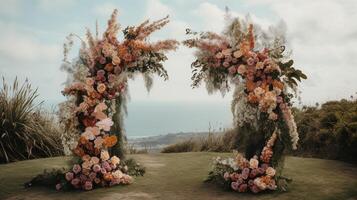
322, 35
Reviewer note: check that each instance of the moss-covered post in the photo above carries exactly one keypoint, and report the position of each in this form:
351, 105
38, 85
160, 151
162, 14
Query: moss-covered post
118, 130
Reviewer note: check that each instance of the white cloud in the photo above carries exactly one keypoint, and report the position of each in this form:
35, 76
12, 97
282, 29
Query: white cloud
323, 36
10, 8
105, 9
24, 55
24, 48
156, 10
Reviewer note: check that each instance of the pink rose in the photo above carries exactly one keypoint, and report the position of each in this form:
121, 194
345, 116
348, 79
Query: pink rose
117, 70
96, 168
69, 176
75, 181
76, 168
58, 186
92, 176
234, 186
88, 185
254, 189
232, 70
226, 64
243, 188
250, 61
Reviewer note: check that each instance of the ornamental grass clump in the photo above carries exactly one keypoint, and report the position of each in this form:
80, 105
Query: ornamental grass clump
26, 131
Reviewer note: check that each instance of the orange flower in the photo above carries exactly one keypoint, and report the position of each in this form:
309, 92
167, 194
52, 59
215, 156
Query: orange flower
107, 177
250, 86
110, 141
251, 36
109, 67
252, 98
278, 84
79, 151
83, 140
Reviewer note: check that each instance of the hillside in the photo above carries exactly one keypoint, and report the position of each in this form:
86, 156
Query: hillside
180, 176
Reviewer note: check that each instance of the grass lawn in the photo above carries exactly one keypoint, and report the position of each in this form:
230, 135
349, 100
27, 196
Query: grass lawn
181, 175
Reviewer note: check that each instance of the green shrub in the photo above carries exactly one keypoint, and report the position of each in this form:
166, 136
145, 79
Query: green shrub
26, 131
184, 146
329, 132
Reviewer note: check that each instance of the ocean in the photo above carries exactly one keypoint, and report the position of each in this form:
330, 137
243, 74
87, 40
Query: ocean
159, 118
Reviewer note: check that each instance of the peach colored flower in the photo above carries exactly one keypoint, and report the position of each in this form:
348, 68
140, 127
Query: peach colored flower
237, 54
88, 134
83, 107
86, 157
94, 160
259, 65
242, 69
98, 142
99, 115
89, 81
253, 163
114, 160
227, 52
101, 88
94, 130
117, 174
270, 171
104, 155
100, 107
86, 165
219, 55
116, 60
105, 124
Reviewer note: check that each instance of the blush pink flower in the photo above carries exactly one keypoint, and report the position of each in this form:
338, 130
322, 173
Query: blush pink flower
105, 124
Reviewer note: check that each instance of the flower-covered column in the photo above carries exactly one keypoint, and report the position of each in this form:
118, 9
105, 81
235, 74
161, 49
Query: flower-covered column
100, 96
255, 64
